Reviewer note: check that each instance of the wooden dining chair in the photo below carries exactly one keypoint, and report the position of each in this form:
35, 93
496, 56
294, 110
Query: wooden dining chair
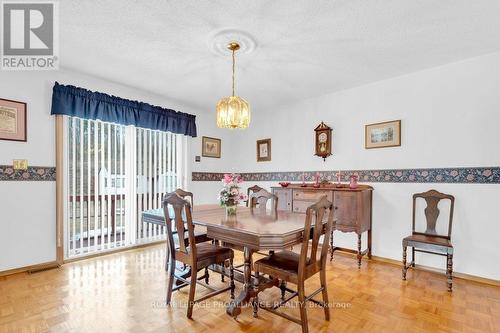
260, 199
297, 268
200, 234
197, 256
250, 191
429, 241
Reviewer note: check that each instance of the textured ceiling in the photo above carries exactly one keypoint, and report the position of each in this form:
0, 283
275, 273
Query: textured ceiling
303, 48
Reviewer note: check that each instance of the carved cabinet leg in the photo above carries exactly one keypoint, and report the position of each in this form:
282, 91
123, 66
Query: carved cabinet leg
359, 251
404, 261
449, 271
370, 243
413, 256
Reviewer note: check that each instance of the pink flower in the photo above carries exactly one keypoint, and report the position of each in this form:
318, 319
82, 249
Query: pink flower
454, 173
239, 179
487, 173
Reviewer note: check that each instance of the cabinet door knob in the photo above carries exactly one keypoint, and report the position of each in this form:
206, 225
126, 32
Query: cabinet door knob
335, 207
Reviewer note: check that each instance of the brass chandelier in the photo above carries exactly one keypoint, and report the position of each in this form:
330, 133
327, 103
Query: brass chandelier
233, 111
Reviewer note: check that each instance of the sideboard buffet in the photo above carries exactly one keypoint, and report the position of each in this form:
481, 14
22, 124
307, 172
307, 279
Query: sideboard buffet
352, 209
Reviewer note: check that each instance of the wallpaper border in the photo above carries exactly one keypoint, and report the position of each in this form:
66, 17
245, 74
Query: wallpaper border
470, 175
32, 174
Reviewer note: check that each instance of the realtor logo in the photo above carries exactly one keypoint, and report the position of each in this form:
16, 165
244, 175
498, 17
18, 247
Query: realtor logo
29, 35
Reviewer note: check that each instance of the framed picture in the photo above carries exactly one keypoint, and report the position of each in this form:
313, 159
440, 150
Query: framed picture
12, 120
210, 147
263, 150
381, 135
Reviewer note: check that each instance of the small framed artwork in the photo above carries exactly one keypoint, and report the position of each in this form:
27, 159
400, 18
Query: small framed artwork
12, 120
210, 147
382, 135
263, 150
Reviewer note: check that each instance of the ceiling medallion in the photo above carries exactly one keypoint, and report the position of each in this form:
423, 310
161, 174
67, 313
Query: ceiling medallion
233, 111
218, 41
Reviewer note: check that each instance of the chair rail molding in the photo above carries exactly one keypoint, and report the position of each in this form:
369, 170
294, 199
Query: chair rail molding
458, 175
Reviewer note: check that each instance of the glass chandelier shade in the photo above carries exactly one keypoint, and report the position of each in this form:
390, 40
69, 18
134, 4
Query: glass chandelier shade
233, 111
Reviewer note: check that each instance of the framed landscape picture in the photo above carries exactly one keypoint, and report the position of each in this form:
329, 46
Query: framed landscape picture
12, 120
381, 135
211, 147
263, 150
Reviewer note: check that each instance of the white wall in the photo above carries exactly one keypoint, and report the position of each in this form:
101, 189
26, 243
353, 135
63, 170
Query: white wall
450, 118
27, 209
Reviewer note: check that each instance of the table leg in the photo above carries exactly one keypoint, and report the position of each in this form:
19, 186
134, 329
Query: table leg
251, 286
234, 307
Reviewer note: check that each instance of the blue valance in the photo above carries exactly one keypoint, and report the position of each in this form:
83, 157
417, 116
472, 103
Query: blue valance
82, 103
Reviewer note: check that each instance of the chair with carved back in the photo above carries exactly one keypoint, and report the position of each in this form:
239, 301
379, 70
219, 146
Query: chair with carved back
259, 202
430, 241
200, 234
197, 256
185, 194
297, 268
250, 191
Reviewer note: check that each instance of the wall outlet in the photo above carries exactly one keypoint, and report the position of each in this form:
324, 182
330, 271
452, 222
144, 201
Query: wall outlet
20, 164
197, 158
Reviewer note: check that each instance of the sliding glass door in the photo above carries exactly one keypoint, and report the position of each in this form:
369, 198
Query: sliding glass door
113, 173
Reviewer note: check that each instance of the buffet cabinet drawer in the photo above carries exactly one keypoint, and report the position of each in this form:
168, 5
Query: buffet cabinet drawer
313, 195
284, 198
301, 206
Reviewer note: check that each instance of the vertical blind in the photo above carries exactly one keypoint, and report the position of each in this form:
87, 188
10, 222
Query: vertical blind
114, 172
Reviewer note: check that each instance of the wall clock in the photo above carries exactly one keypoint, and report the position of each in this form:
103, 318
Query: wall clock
323, 140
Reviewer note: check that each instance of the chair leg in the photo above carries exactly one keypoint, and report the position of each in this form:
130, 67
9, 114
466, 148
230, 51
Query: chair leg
167, 257
223, 264
326, 307
231, 277
302, 305
192, 290
255, 306
171, 278
413, 256
331, 246
404, 262
449, 271
283, 289
255, 301
207, 276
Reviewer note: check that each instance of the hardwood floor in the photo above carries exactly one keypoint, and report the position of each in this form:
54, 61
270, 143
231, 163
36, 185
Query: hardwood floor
125, 292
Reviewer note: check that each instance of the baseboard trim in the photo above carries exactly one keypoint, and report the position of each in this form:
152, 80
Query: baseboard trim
114, 251
457, 275
53, 264
31, 269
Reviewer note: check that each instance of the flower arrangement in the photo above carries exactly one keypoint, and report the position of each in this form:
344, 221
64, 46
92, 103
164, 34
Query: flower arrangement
230, 195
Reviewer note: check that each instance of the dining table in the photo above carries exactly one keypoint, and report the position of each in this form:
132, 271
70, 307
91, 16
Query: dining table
248, 232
